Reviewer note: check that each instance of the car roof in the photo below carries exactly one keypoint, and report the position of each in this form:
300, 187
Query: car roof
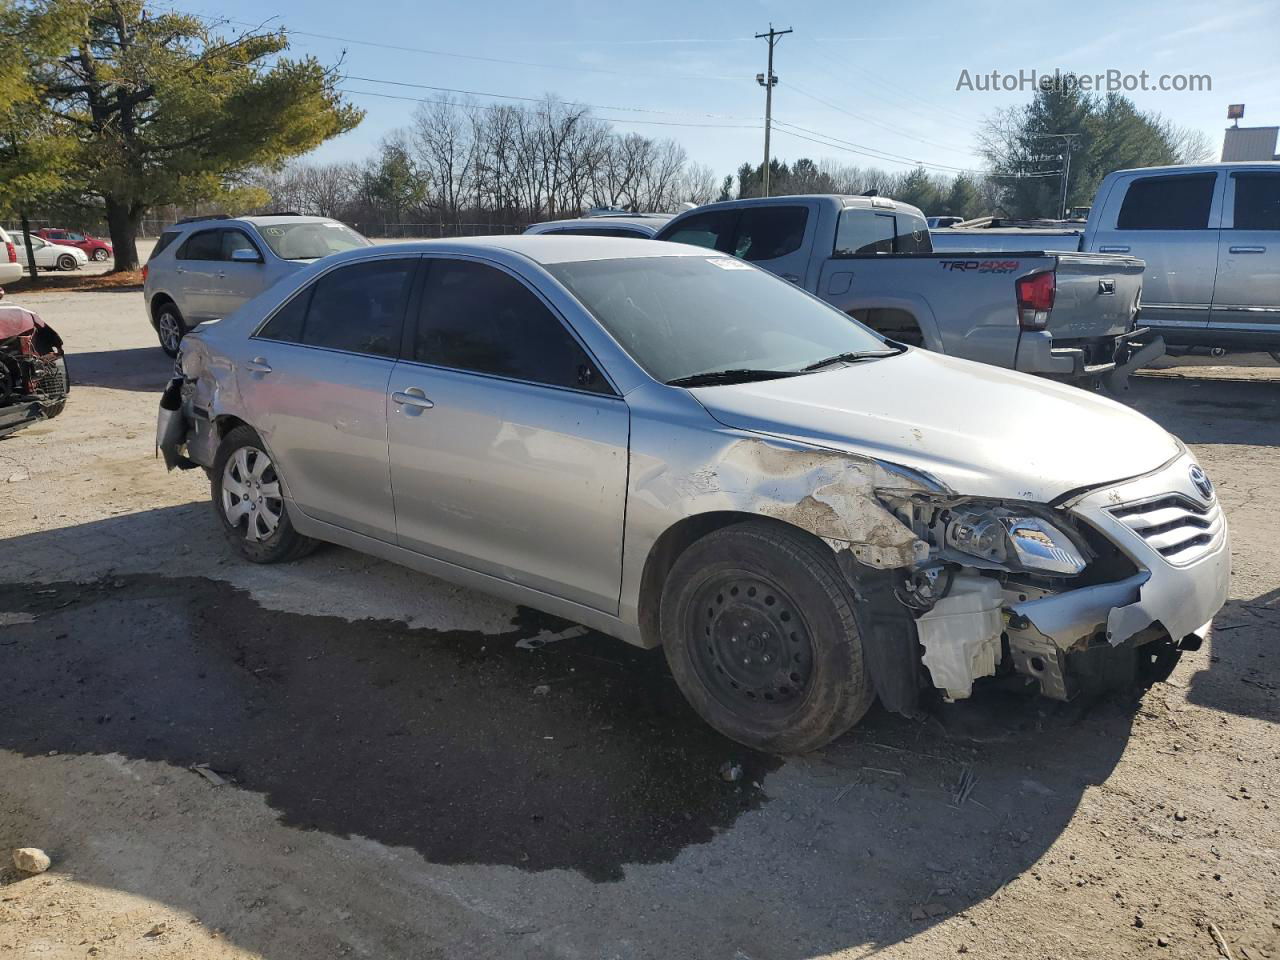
843, 200
540, 248
1205, 167
646, 221
263, 221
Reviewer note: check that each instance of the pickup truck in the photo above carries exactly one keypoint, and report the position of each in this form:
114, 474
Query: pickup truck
1210, 236
1070, 316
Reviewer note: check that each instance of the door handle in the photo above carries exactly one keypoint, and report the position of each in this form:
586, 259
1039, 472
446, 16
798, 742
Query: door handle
182, 270
1247, 249
257, 365
1113, 248
222, 274
412, 397
791, 277
1106, 288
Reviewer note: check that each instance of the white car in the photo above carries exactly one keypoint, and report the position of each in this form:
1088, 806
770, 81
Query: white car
11, 268
50, 256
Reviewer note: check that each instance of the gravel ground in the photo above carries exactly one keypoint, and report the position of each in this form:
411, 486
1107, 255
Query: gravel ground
385, 776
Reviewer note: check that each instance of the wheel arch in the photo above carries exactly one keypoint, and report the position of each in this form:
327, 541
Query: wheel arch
910, 310
673, 542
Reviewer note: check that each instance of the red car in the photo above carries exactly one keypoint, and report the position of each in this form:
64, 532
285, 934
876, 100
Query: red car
96, 249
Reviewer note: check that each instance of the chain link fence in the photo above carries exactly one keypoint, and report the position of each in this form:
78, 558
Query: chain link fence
151, 228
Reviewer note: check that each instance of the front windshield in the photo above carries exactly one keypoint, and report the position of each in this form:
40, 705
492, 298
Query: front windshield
310, 240
683, 316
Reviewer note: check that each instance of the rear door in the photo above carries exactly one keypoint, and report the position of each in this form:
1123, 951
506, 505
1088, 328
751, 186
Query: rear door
777, 237
1247, 294
195, 286
1171, 221
508, 445
315, 384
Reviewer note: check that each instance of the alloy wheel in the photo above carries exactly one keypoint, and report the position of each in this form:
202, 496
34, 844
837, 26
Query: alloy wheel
170, 330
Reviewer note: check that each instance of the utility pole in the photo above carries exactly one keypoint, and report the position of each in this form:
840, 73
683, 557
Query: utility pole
1068, 141
768, 80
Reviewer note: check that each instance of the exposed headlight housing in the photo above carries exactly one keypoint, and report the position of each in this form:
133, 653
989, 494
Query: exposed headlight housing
1009, 538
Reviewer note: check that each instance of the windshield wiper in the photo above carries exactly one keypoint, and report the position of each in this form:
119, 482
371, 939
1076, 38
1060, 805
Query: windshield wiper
853, 357
738, 375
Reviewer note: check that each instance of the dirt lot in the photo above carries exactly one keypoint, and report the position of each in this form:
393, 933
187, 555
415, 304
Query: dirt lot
394, 783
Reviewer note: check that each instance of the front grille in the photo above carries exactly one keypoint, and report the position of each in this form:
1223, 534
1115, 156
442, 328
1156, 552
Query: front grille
1175, 526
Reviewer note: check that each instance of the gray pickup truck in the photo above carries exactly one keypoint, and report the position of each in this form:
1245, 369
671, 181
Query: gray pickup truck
1071, 316
1210, 236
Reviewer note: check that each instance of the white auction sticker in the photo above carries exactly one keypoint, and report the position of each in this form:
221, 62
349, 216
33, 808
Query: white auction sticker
728, 263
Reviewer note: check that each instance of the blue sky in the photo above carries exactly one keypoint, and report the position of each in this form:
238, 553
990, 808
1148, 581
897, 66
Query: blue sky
887, 72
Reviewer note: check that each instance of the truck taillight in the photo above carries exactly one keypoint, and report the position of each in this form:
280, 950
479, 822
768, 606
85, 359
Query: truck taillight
12, 251
1035, 299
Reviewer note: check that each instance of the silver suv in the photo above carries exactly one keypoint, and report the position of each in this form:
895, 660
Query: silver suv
204, 267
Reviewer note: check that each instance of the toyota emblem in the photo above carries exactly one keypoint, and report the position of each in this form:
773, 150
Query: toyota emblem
1201, 481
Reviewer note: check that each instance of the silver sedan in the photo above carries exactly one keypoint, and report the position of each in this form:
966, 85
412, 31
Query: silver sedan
675, 448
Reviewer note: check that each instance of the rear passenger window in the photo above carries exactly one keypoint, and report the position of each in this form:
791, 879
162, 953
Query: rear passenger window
165, 240
1257, 201
477, 318
359, 309
205, 245
862, 232
702, 230
1168, 203
766, 233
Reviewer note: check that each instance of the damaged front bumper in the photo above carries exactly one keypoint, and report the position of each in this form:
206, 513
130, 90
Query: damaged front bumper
1167, 529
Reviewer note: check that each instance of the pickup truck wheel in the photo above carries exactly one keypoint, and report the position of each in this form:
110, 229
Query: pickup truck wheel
758, 628
250, 503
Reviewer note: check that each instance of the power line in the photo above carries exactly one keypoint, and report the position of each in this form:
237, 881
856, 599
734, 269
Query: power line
876, 123
509, 96
447, 53
491, 106
873, 152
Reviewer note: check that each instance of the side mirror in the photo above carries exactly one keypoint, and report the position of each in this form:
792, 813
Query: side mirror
245, 255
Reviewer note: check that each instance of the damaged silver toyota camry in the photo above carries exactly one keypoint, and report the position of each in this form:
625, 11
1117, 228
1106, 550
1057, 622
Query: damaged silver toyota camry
678, 449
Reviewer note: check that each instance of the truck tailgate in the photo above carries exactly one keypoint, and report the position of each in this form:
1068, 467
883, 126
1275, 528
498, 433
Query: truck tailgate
1097, 295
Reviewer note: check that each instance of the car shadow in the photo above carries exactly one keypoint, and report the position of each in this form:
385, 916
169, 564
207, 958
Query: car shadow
1210, 410
1241, 676
145, 369
575, 755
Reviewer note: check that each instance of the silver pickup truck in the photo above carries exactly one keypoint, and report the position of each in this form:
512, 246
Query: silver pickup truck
1071, 316
1210, 236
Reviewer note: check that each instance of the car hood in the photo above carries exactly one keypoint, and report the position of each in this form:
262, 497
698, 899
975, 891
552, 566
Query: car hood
981, 430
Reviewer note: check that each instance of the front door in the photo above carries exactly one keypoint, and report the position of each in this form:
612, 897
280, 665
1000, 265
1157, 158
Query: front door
1247, 294
508, 446
314, 381
1171, 222
238, 280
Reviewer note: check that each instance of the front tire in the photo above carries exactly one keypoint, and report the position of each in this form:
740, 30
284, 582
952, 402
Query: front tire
758, 628
170, 328
249, 501
66, 262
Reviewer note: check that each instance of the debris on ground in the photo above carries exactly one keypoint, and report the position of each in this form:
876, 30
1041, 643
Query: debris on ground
158, 930
541, 690
730, 772
204, 771
31, 860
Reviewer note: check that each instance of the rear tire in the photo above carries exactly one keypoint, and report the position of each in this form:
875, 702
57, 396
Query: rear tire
170, 327
100, 254
758, 628
249, 501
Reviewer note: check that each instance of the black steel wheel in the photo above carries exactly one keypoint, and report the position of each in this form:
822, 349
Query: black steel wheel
758, 627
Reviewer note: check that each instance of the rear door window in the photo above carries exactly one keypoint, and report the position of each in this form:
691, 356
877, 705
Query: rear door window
1257, 205
1179, 202
205, 245
166, 240
713, 229
358, 309
477, 318
769, 232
